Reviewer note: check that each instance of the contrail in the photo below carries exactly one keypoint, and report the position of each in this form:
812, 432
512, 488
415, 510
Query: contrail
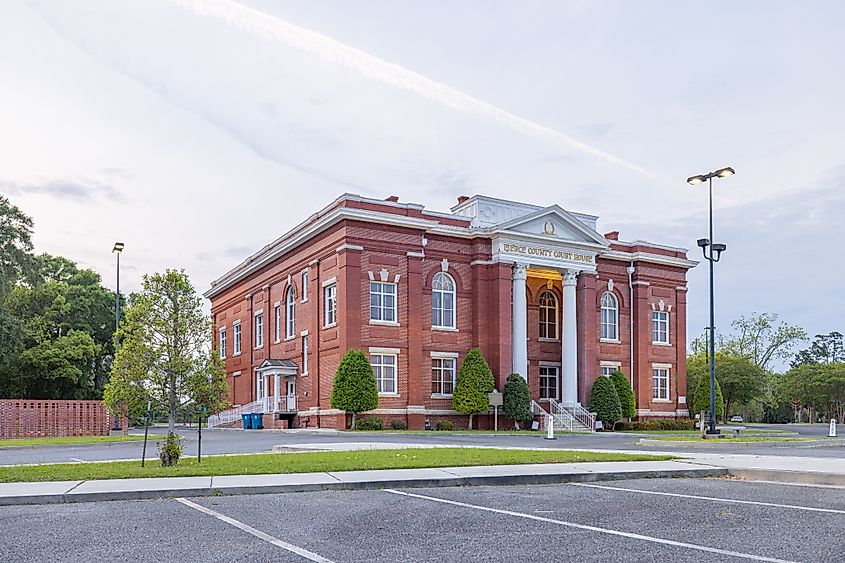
331, 50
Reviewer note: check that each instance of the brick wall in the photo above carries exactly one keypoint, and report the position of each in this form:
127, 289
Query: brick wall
51, 419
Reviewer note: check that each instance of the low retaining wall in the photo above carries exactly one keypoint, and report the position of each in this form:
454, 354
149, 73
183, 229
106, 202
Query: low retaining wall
51, 419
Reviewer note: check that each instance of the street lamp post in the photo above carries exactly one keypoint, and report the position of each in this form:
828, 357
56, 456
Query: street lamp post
714, 255
118, 248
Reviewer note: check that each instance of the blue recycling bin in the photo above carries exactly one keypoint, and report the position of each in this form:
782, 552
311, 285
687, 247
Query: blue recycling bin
257, 423
247, 418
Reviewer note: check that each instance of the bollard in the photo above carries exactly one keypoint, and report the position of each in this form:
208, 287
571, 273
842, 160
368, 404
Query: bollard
832, 433
550, 428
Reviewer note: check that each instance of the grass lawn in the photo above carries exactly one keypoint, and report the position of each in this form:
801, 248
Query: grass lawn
255, 464
67, 440
696, 432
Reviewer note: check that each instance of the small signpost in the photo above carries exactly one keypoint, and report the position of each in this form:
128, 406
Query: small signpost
550, 427
832, 433
146, 431
495, 399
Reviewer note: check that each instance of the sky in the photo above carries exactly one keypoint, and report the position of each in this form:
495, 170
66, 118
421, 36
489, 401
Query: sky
196, 131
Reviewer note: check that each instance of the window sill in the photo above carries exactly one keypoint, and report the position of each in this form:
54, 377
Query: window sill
441, 396
276, 341
304, 300
332, 325
289, 338
388, 394
259, 347
383, 323
610, 341
445, 328
661, 400
235, 355
541, 339
661, 343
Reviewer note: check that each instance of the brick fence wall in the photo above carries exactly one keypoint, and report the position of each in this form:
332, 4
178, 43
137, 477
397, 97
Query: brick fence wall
44, 418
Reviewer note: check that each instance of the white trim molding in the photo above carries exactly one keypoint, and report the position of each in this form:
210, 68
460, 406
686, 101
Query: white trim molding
377, 350
444, 354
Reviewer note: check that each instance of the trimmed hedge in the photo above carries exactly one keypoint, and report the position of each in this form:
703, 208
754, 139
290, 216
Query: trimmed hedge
370, 423
398, 424
516, 402
626, 395
444, 425
475, 381
658, 424
605, 401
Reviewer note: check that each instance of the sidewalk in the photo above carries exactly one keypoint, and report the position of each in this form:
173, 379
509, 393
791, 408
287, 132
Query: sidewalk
529, 474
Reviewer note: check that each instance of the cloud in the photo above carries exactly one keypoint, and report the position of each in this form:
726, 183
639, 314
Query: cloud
67, 190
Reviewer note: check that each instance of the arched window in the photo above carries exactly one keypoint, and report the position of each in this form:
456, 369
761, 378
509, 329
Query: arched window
290, 312
443, 301
609, 317
548, 315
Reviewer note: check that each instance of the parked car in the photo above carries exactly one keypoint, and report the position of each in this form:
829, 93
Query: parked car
736, 418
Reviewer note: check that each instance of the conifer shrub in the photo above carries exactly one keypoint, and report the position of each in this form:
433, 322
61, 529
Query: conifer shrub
354, 387
604, 400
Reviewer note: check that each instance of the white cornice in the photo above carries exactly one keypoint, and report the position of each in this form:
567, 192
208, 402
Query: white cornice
649, 257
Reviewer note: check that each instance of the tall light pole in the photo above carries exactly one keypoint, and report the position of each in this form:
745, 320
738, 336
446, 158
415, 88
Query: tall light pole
716, 250
118, 248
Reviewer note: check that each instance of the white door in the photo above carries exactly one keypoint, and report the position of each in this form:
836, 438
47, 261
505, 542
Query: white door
291, 394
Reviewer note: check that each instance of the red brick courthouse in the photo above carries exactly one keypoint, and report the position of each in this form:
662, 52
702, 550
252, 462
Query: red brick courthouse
537, 289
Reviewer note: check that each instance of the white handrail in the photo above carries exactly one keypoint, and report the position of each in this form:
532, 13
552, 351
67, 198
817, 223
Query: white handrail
232, 415
573, 416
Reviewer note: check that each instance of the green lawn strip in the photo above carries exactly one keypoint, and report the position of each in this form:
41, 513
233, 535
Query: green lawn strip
256, 464
67, 440
696, 432
740, 439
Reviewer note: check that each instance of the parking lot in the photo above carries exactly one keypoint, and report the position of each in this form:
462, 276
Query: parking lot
634, 520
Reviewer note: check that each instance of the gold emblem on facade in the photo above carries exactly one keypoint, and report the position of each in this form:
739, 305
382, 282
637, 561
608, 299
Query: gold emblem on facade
549, 228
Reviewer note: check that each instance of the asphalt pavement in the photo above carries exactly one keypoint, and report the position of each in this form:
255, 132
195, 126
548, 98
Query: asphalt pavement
635, 520
254, 441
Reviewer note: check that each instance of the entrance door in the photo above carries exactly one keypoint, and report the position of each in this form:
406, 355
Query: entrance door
291, 398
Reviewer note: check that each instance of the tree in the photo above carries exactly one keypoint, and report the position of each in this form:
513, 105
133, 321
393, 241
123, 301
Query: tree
825, 349
627, 401
763, 340
740, 380
820, 387
701, 399
354, 388
164, 353
516, 402
604, 401
475, 382
60, 368
16, 261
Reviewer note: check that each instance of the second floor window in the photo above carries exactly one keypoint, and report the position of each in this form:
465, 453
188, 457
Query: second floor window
548, 315
223, 342
290, 313
305, 285
277, 321
236, 329
443, 301
609, 317
382, 301
330, 305
660, 327
259, 330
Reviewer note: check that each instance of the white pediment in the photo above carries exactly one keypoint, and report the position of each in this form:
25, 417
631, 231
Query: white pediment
555, 224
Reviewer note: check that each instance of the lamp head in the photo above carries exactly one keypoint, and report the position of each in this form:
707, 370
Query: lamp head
693, 180
118, 247
718, 247
725, 172
703, 242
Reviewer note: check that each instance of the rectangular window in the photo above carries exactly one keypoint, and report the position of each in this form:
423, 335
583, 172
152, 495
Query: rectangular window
382, 301
384, 366
442, 376
660, 383
290, 312
223, 343
607, 371
259, 330
304, 354
330, 305
277, 321
305, 286
549, 382
236, 329
660, 327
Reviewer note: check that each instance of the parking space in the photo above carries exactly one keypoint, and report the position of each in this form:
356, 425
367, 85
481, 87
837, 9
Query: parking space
658, 519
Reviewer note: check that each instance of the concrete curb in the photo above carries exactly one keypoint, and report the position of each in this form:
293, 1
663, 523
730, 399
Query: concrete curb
730, 442
333, 483
793, 477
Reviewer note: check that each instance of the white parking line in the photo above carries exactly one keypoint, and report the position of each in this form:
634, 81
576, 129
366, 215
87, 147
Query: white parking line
713, 499
595, 528
257, 533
